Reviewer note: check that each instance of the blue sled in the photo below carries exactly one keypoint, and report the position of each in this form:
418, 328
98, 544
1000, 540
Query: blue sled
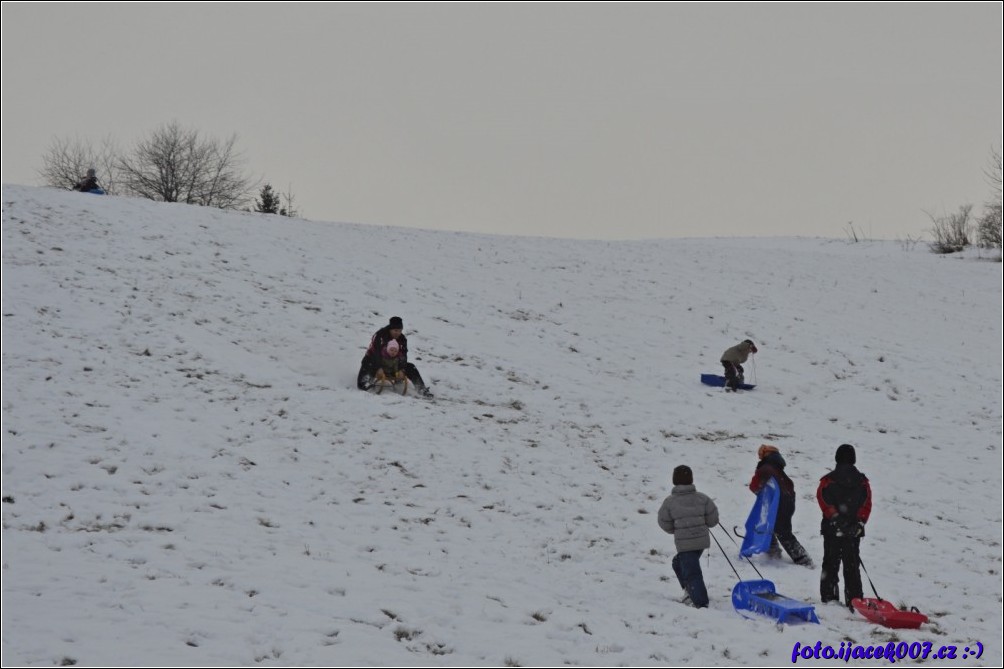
95, 191
762, 598
719, 381
760, 522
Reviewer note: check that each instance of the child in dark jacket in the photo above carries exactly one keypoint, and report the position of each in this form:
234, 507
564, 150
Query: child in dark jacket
687, 514
378, 360
87, 182
845, 498
772, 465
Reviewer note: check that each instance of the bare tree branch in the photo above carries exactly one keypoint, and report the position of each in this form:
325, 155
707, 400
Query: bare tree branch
989, 228
174, 164
66, 161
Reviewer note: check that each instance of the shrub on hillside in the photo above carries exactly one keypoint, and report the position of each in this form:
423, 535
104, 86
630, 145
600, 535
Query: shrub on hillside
951, 232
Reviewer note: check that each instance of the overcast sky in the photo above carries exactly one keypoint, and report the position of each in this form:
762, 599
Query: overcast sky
610, 121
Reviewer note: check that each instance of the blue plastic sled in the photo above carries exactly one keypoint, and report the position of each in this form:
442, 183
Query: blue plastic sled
760, 524
762, 598
719, 381
95, 191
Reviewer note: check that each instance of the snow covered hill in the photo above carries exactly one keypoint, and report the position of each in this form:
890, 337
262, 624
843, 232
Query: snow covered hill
191, 478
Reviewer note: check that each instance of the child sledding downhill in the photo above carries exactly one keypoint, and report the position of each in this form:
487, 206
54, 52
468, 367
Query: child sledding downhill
379, 360
391, 369
771, 465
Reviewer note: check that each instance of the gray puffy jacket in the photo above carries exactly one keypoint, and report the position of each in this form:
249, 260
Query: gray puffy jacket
687, 515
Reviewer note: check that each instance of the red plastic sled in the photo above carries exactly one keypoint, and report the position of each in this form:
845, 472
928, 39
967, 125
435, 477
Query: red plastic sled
884, 613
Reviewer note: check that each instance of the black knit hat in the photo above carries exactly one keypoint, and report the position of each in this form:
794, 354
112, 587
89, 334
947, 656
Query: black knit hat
396, 323
846, 455
683, 476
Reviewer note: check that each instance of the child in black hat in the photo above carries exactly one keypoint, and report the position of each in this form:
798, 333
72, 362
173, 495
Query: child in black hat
845, 497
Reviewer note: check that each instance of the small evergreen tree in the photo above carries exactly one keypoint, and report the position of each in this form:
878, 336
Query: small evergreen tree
268, 201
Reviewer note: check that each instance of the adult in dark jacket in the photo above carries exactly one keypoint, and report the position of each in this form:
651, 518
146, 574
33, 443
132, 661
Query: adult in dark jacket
373, 361
845, 498
87, 182
687, 515
733, 359
771, 465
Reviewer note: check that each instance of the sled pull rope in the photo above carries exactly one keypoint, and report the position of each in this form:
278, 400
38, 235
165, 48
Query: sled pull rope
737, 546
869, 577
725, 555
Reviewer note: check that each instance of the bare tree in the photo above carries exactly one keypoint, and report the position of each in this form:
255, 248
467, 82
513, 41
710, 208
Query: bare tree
226, 185
174, 164
290, 209
989, 226
66, 161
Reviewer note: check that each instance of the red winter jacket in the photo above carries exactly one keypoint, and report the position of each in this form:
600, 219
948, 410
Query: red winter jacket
845, 492
772, 466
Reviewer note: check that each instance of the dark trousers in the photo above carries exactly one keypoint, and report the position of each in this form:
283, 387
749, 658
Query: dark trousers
835, 551
687, 566
784, 535
368, 370
733, 374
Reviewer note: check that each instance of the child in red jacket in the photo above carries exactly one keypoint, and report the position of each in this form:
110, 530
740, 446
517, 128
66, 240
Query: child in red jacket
772, 465
845, 497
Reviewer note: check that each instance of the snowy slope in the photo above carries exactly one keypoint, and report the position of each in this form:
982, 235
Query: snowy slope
191, 478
